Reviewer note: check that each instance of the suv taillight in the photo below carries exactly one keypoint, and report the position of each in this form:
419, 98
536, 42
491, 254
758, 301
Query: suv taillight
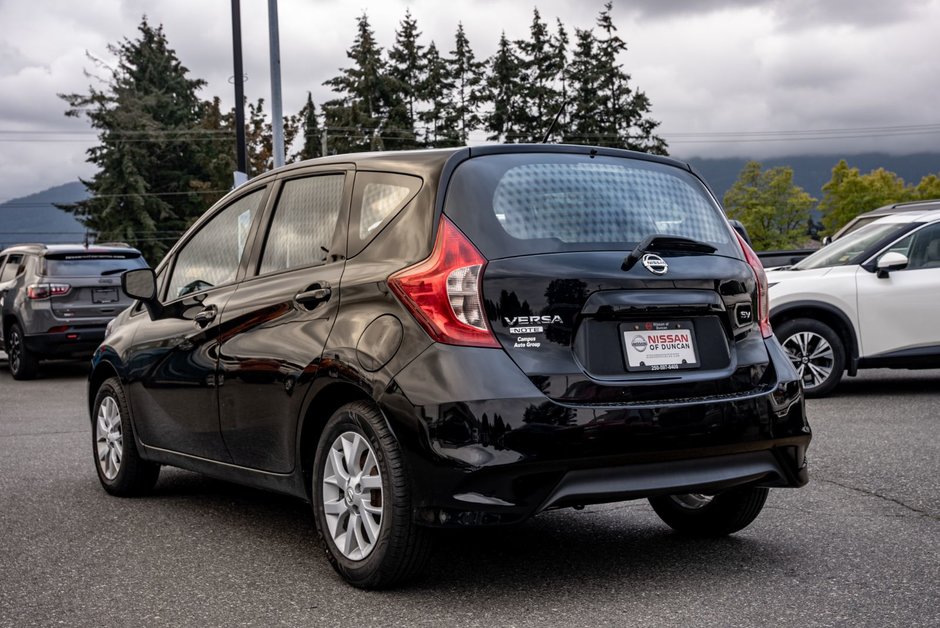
46, 290
763, 300
443, 291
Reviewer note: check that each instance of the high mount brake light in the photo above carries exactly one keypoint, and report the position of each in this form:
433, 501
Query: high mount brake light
763, 299
443, 291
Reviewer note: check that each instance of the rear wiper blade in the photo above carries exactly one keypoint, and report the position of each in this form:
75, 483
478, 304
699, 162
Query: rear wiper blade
113, 271
665, 243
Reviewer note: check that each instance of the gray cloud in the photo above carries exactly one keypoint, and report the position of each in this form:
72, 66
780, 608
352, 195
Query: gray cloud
709, 67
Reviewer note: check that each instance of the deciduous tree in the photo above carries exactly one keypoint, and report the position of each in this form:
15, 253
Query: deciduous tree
774, 210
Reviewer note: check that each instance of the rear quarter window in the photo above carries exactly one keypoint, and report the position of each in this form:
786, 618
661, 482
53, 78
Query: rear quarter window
377, 198
528, 203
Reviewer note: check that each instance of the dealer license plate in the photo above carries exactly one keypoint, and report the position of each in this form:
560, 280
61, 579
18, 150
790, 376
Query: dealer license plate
659, 346
104, 295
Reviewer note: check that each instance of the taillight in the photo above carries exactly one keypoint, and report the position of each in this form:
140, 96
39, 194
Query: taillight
763, 300
443, 291
46, 290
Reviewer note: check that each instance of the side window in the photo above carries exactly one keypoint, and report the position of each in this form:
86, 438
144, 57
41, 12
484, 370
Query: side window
924, 248
303, 224
211, 257
11, 267
377, 198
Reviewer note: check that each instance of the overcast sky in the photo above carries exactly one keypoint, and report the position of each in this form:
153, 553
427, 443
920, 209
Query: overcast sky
714, 70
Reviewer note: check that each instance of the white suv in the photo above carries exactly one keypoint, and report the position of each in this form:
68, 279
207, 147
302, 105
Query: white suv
870, 299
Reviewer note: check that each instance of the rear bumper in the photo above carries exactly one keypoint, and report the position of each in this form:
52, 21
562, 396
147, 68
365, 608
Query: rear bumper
76, 342
503, 459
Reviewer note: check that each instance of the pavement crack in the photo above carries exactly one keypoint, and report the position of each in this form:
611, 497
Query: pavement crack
879, 496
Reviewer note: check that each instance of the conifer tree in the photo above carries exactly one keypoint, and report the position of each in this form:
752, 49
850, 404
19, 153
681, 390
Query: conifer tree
406, 71
622, 112
308, 125
584, 85
436, 90
505, 76
150, 178
539, 97
467, 75
356, 120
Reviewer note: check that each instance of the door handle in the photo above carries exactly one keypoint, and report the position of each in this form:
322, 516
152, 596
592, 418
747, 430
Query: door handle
205, 316
314, 295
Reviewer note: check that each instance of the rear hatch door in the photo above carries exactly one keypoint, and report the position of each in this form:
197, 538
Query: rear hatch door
610, 280
93, 280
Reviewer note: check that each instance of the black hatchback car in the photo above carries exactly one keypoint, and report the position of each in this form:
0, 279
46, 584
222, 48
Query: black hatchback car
458, 337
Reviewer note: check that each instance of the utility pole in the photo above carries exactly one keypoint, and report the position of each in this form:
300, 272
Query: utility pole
241, 149
277, 114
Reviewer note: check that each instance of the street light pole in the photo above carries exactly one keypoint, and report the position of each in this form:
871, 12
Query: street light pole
241, 149
277, 115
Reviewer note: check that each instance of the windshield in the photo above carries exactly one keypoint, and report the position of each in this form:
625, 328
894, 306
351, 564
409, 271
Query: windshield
846, 250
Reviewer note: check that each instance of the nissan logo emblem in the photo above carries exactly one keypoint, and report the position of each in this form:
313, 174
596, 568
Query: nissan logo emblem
655, 264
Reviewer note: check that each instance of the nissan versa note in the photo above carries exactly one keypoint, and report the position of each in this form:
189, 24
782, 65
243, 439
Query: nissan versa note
457, 337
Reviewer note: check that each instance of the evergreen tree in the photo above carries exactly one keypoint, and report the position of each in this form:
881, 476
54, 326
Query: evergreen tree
406, 71
622, 112
584, 84
216, 149
540, 66
150, 178
436, 90
359, 119
560, 61
308, 126
467, 75
504, 79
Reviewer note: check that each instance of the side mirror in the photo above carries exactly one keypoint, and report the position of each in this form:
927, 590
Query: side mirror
827, 240
890, 261
738, 226
141, 284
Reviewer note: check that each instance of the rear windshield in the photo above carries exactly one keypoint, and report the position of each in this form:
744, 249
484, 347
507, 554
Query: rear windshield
528, 203
92, 264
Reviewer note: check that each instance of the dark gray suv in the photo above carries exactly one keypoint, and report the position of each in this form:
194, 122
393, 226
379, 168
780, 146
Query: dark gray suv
57, 299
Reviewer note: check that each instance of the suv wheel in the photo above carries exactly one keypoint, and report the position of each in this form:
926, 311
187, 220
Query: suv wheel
693, 514
23, 364
816, 352
120, 468
362, 501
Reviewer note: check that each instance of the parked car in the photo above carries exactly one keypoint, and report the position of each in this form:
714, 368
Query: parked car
868, 300
55, 300
457, 337
869, 217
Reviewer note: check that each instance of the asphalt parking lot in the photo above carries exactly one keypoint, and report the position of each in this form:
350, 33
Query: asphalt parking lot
859, 546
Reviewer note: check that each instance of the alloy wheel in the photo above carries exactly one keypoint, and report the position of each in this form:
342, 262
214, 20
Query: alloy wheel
352, 495
109, 437
15, 350
812, 356
692, 501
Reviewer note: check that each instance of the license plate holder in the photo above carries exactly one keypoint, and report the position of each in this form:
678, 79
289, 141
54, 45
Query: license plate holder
659, 346
104, 295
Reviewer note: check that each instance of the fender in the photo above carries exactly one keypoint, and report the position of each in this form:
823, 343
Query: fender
851, 347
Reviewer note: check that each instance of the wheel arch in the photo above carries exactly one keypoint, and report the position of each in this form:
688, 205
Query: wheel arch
323, 402
827, 314
101, 371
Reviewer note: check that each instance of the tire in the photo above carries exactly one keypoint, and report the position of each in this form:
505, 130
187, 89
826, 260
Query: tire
120, 468
817, 353
23, 363
389, 549
707, 516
